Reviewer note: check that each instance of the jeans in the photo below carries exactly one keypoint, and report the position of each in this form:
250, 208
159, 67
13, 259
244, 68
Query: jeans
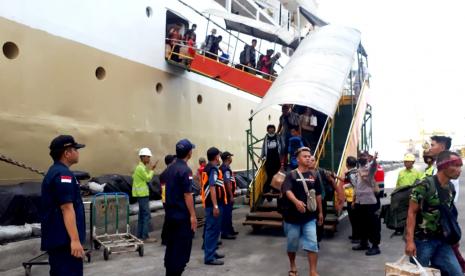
178, 237
226, 220
438, 254
62, 263
144, 218
304, 234
212, 233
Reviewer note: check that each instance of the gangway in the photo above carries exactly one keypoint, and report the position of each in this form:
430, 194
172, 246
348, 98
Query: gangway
347, 126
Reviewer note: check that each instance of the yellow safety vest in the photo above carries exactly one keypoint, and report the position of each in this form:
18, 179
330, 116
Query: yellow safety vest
141, 176
408, 177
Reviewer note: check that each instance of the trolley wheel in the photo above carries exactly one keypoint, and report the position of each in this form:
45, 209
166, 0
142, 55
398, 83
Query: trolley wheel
97, 245
140, 249
106, 254
27, 270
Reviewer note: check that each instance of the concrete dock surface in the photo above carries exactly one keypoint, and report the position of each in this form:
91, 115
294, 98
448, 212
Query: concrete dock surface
254, 254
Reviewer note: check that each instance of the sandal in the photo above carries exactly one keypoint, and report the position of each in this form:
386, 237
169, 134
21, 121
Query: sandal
293, 273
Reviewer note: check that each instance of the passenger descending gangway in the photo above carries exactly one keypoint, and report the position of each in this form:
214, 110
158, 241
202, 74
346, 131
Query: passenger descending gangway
327, 85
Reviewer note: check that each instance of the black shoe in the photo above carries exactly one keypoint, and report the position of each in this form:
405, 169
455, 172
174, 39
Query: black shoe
235, 233
360, 247
228, 237
219, 256
355, 241
219, 243
350, 237
374, 250
215, 262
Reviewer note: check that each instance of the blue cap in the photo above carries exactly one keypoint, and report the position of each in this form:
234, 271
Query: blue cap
184, 145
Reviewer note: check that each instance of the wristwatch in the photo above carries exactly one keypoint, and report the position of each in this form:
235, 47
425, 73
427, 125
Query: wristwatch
216, 206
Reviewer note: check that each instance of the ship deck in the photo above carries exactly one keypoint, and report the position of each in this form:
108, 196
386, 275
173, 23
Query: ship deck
255, 254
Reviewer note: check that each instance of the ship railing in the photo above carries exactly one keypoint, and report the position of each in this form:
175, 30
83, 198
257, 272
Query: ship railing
221, 59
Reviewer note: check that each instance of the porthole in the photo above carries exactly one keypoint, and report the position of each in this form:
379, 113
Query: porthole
199, 99
159, 87
10, 50
148, 11
269, 117
229, 106
100, 73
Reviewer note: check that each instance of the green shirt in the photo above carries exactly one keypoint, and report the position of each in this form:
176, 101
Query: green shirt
408, 177
141, 176
428, 218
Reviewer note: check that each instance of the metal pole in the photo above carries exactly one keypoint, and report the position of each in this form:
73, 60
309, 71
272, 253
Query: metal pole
235, 48
253, 167
298, 22
332, 147
208, 23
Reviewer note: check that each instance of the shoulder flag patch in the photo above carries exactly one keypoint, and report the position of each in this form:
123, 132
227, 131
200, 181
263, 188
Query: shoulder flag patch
66, 179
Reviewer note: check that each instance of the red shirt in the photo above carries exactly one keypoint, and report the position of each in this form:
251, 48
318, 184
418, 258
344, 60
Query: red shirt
379, 175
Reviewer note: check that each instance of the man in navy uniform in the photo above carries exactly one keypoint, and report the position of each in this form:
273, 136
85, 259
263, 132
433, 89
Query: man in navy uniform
227, 230
180, 218
62, 213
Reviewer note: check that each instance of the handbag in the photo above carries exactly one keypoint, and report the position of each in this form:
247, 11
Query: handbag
311, 196
451, 232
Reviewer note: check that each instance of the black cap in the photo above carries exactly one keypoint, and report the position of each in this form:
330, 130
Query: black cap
212, 153
225, 155
64, 141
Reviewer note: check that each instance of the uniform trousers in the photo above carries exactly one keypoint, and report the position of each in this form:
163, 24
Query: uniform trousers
178, 245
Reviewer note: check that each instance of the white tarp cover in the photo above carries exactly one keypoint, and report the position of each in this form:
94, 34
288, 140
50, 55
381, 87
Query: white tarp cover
253, 27
316, 73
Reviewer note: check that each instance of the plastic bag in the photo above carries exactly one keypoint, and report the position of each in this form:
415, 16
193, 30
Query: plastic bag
403, 267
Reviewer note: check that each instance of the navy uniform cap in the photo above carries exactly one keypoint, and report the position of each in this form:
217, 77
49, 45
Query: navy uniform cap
64, 141
184, 145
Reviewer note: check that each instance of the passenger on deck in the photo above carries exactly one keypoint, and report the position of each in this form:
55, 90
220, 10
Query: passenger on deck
274, 60
214, 48
300, 219
264, 64
271, 152
295, 142
209, 41
287, 120
409, 175
247, 57
190, 34
366, 207
308, 122
175, 41
198, 175
424, 238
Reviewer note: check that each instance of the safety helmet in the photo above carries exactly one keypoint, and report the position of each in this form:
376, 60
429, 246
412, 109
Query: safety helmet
409, 157
145, 152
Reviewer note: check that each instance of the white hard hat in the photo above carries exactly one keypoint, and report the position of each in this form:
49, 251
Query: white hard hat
145, 152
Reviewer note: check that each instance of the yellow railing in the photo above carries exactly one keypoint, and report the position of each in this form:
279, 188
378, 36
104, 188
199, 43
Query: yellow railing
321, 146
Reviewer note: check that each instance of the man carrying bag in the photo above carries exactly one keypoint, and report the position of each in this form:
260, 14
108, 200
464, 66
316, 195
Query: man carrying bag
432, 226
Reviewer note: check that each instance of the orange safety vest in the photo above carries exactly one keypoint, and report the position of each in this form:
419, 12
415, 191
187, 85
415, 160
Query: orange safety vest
219, 184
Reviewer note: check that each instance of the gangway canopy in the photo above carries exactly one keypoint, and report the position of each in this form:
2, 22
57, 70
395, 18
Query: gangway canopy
313, 19
316, 73
253, 27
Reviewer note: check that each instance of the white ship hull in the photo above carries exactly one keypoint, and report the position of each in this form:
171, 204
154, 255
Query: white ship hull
51, 88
